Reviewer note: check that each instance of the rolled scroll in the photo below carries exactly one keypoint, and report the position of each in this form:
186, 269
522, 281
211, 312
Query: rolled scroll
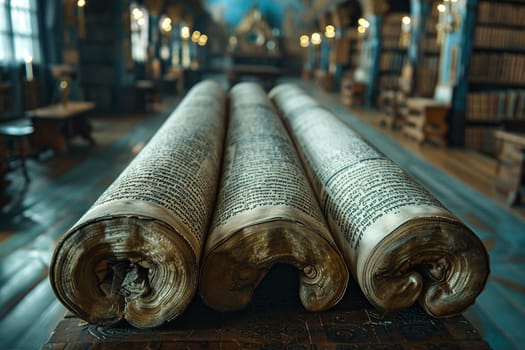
135, 254
399, 242
266, 213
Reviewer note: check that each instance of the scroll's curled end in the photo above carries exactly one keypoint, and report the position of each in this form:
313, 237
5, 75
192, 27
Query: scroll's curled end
127, 268
438, 262
232, 269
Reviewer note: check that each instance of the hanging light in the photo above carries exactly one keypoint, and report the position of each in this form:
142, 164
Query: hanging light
165, 24
315, 39
329, 31
185, 32
363, 23
195, 36
137, 13
203, 39
304, 40
81, 3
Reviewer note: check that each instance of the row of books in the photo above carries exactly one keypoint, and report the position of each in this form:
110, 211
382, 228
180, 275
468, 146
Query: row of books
499, 38
497, 67
389, 30
427, 78
428, 69
388, 81
392, 35
496, 106
481, 139
392, 25
501, 13
430, 45
393, 43
391, 61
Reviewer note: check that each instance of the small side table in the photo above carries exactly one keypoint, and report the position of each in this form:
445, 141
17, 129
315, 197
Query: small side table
56, 125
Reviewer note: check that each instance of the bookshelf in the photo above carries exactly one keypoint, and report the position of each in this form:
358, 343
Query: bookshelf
423, 52
427, 67
394, 46
393, 51
496, 94
352, 93
420, 73
355, 45
367, 71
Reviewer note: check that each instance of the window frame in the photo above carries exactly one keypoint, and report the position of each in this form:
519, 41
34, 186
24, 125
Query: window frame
9, 35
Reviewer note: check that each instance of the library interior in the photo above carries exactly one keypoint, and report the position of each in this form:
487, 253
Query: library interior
430, 89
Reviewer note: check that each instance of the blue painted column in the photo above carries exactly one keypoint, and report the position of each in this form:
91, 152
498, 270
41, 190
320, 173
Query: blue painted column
123, 75
310, 58
338, 67
455, 58
324, 57
154, 35
419, 12
372, 48
176, 46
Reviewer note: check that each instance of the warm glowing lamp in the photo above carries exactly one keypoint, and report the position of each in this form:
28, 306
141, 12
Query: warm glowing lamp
203, 39
304, 40
315, 39
185, 32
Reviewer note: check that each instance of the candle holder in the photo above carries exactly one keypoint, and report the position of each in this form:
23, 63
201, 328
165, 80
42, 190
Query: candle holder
64, 74
64, 91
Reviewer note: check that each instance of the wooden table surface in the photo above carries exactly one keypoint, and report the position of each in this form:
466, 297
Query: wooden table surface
57, 124
61, 111
276, 320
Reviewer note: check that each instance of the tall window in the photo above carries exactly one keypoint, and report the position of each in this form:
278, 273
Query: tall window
139, 32
18, 31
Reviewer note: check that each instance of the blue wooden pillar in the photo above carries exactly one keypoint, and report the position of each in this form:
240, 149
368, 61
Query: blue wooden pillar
123, 34
419, 12
339, 32
154, 35
176, 45
372, 48
324, 57
310, 57
456, 52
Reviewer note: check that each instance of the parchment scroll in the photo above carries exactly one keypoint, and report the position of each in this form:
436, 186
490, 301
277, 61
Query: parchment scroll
266, 214
399, 242
135, 254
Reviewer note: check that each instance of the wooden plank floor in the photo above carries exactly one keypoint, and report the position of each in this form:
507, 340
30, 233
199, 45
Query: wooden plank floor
63, 187
462, 181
